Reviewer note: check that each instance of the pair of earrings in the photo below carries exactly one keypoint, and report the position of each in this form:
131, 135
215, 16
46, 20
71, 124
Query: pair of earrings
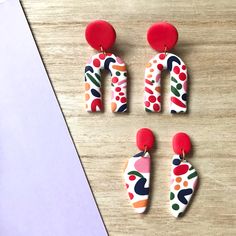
162, 37
138, 169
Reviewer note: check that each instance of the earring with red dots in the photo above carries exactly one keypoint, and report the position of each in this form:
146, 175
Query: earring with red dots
162, 37
137, 171
101, 36
183, 175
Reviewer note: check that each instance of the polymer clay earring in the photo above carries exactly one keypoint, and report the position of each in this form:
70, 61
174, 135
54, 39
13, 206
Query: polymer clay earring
137, 171
183, 175
101, 36
162, 37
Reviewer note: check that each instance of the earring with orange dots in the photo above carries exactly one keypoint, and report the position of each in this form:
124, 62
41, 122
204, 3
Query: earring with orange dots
183, 175
101, 36
162, 37
138, 170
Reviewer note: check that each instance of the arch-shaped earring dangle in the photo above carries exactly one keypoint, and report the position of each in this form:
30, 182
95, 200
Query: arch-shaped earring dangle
101, 36
137, 171
162, 37
183, 175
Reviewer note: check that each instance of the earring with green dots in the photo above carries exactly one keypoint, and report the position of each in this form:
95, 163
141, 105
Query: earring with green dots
101, 36
184, 177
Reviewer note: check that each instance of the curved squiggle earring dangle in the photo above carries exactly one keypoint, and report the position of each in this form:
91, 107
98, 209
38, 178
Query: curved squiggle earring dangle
162, 37
184, 177
101, 36
137, 171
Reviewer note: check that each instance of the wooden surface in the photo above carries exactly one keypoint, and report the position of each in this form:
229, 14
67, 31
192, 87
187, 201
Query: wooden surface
207, 33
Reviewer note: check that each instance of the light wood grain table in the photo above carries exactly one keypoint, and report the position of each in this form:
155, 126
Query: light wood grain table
207, 39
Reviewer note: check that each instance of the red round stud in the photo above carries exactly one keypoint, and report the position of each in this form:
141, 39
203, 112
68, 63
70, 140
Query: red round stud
181, 143
145, 139
100, 35
162, 36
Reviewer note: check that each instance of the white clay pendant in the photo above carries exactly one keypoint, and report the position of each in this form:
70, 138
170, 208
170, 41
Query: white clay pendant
162, 36
183, 176
183, 182
101, 36
137, 172
137, 180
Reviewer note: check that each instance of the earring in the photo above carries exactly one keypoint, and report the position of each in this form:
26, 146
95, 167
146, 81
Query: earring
183, 175
100, 35
162, 37
137, 171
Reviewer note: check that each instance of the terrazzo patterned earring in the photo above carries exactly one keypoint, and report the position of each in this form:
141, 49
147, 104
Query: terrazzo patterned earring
137, 171
101, 36
162, 37
183, 175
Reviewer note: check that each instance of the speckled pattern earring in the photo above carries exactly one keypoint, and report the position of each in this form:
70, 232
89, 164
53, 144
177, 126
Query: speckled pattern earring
183, 175
162, 37
137, 171
101, 36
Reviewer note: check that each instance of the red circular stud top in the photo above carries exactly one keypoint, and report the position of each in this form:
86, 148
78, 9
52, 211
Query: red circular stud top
100, 35
145, 139
181, 143
162, 36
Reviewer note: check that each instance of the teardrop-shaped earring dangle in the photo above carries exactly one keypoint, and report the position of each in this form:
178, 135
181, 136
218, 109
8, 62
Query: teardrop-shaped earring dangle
183, 175
137, 171
101, 36
162, 37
